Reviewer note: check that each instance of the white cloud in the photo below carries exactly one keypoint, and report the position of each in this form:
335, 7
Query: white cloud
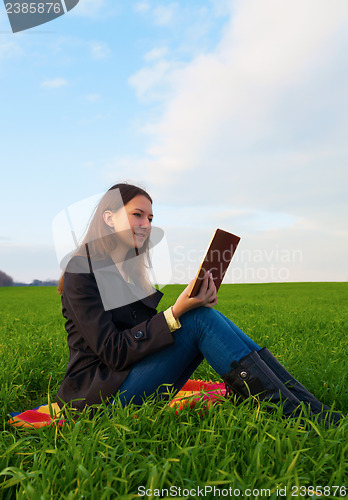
125, 169
156, 53
89, 8
154, 82
8, 50
55, 83
164, 14
260, 123
141, 7
92, 97
93, 119
99, 50
221, 7
231, 104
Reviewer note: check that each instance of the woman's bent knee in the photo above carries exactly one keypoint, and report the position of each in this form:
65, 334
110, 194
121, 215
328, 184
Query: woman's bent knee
200, 313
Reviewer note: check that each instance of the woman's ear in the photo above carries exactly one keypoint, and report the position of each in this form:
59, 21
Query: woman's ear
107, 216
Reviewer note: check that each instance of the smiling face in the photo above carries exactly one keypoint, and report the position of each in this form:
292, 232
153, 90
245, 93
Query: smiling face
132, 223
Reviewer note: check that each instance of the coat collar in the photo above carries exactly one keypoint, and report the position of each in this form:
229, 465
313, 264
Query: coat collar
114, 290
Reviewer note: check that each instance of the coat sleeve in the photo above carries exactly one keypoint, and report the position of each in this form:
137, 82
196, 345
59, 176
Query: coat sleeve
117, 349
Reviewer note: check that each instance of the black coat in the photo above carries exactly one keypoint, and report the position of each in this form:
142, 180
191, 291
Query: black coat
104, 344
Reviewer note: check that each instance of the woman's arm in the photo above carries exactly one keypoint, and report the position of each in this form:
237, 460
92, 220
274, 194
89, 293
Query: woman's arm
206, 297
117, 348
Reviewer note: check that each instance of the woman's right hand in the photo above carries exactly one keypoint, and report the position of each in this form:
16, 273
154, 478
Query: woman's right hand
206, 297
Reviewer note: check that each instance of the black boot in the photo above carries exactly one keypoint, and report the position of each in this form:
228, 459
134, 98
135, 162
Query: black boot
251, 376
299, 391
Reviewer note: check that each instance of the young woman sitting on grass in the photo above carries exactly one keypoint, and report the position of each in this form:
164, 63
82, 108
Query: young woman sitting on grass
120, 346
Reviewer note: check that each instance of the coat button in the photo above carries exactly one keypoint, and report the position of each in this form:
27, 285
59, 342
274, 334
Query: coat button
243, 375
134, 314
139, 335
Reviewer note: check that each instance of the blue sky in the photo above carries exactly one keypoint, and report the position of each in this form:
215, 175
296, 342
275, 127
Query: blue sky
232, 114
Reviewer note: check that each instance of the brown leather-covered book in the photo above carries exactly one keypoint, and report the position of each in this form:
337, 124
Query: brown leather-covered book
217, 259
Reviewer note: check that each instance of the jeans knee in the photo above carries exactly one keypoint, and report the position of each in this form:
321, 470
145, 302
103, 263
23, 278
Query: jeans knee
200, 313
205, 312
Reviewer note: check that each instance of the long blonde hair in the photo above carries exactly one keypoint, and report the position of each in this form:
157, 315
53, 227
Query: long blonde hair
100, 239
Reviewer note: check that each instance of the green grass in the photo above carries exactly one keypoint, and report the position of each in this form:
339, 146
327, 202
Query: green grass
304, 324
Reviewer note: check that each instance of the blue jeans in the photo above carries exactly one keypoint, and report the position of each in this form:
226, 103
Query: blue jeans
204, 333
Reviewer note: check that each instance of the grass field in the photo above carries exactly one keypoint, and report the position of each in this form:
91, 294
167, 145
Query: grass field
233, 450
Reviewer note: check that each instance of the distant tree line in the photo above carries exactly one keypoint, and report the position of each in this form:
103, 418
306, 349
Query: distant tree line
6, 280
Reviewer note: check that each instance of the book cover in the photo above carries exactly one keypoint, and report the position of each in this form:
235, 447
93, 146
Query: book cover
217, 259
